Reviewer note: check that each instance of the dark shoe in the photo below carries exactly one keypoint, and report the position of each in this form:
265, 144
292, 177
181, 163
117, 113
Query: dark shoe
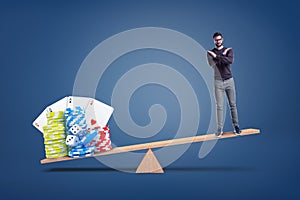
237, 130
219, 133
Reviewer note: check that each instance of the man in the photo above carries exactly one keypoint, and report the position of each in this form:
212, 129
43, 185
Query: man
220, 59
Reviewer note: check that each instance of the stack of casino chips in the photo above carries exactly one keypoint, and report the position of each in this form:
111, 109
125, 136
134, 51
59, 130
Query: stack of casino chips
73, 117
81, 151
54, 135
102, 140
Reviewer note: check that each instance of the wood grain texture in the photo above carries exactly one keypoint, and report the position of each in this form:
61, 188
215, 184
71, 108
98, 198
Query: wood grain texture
158, 144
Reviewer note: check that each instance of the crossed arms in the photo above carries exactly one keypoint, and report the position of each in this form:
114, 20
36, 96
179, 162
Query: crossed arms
221, 59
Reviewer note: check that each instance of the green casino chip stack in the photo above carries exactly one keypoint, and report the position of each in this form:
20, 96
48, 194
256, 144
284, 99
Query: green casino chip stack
54, 135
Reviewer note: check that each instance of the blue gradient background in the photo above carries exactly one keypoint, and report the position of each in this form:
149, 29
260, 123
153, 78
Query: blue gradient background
44, 43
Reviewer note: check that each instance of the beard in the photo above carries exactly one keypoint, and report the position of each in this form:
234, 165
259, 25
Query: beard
219, 44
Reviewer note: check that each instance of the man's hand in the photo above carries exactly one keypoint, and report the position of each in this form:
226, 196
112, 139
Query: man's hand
212, 54
225, 51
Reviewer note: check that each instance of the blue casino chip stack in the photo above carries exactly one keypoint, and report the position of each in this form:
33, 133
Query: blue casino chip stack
78, 137
76, 116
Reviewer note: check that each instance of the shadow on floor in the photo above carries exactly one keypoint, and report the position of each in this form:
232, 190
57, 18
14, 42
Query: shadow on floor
167, 169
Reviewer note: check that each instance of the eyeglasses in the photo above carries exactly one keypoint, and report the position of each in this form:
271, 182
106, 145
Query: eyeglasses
216, 40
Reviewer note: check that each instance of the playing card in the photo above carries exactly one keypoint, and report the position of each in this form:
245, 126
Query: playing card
73, 101
40, 121
59, 105
90, 116
97, 114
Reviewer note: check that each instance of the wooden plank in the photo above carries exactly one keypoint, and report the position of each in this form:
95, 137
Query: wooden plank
151, 145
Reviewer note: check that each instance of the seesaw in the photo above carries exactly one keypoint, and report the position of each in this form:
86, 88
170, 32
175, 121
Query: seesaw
149, 163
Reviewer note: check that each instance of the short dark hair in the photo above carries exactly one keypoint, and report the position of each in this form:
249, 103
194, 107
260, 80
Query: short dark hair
217, 34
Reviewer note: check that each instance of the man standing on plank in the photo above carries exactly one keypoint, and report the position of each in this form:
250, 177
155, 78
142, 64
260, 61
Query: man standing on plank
220, 59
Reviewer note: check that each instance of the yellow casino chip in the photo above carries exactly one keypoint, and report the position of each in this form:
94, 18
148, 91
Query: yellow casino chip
55, 115
58, 141
55, 121
54, 137
49, 147
56, 151
58, 155
54, 132
54, 127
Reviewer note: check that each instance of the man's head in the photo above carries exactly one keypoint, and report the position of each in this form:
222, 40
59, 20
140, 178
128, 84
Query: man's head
218, 39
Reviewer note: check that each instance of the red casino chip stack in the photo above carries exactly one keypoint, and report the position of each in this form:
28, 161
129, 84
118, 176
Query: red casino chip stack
102, 141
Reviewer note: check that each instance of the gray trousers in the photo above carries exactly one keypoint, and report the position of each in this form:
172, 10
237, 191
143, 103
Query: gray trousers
221, 88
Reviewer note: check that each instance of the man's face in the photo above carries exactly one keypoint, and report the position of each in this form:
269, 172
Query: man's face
218, 40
